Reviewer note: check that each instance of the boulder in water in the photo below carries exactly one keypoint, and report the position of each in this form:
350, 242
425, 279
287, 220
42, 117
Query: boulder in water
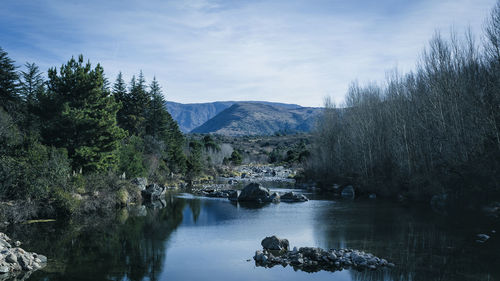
153, 192
293, 197
254, 192
274, 243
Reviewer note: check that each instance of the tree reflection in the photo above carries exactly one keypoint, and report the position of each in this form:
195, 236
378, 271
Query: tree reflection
105, 249
422, 244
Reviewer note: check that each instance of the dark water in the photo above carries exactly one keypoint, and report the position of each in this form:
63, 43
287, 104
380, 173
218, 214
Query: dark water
212, 239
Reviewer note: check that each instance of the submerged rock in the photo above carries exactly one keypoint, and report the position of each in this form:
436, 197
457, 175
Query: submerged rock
312, 259
293, 197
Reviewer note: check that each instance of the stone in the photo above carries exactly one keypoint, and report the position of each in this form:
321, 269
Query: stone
348, 192
17, 243
232, 195
254, 192
11, 258
481, 238
4, 269
153, 192
273, 198
141, 183
293, 197
274, 243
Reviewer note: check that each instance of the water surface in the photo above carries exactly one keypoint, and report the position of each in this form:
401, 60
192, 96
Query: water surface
197, 238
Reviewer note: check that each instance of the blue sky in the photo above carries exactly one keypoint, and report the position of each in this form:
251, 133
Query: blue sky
204, 50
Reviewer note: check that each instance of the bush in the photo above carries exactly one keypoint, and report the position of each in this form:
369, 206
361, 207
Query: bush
131, 158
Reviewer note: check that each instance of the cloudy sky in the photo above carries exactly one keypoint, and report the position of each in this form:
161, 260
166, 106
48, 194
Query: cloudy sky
204, 50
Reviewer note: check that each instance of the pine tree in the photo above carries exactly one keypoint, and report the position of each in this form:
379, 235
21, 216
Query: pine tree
9, 97
32, 89
82, 116
135, 104
120, 93
157, 119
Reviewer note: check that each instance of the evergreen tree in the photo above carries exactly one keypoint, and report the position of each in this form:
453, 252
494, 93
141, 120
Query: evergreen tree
9, 97
121, 96
157, 119
135, 105
82, 116
32, 88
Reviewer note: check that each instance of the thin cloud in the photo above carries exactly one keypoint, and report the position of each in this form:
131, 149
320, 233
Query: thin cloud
229, 50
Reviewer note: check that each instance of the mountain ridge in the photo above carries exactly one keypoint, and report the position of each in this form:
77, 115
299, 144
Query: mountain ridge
192, 115
255, 118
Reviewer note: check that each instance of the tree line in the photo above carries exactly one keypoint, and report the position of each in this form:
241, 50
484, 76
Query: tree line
59, 131
434, 130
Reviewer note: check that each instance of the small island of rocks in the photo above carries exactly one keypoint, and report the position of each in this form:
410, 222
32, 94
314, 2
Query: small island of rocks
311, 259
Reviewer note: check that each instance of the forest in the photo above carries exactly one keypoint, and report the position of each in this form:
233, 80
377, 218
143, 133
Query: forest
432, 131
75, 133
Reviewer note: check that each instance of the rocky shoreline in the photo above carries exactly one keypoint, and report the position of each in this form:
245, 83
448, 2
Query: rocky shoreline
14, 260
310, 259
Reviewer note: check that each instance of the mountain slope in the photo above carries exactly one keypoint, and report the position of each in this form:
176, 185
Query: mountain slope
260, 119
192, 115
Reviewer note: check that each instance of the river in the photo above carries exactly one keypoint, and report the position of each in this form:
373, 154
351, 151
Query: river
196, 238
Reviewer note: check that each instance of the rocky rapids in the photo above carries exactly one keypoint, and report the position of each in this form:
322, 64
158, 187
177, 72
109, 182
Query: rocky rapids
14, 260
310, 259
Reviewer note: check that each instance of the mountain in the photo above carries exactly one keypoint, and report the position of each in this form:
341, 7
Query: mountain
255, 118
192, 115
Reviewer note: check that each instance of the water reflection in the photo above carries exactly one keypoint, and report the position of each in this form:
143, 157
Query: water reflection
195, 238
423, 244
128, 247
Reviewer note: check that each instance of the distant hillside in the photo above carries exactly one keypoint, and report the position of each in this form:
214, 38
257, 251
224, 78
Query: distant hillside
252, 118
192, 115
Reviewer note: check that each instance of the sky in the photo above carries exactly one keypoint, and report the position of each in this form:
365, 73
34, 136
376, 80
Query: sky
210, 50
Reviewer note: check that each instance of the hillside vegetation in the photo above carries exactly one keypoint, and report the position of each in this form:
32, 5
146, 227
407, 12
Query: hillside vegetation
260, 119
435, 130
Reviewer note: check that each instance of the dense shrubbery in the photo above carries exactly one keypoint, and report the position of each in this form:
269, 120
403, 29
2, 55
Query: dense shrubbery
74, 135
435, 130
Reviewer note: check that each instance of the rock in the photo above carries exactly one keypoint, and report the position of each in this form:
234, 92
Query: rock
274, 243
17, 243
11, 258
4, 269
254, 192
348, 192
481, 238
312, 259
153, 192
372, 196
141, 183
293, 197
273, 198
232, 195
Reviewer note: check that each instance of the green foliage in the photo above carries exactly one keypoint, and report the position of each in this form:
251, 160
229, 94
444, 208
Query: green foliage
194, 165
64, 203
236, 158
81, 116
135, 103
9, 98
32, 89
210, 144
131, 158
